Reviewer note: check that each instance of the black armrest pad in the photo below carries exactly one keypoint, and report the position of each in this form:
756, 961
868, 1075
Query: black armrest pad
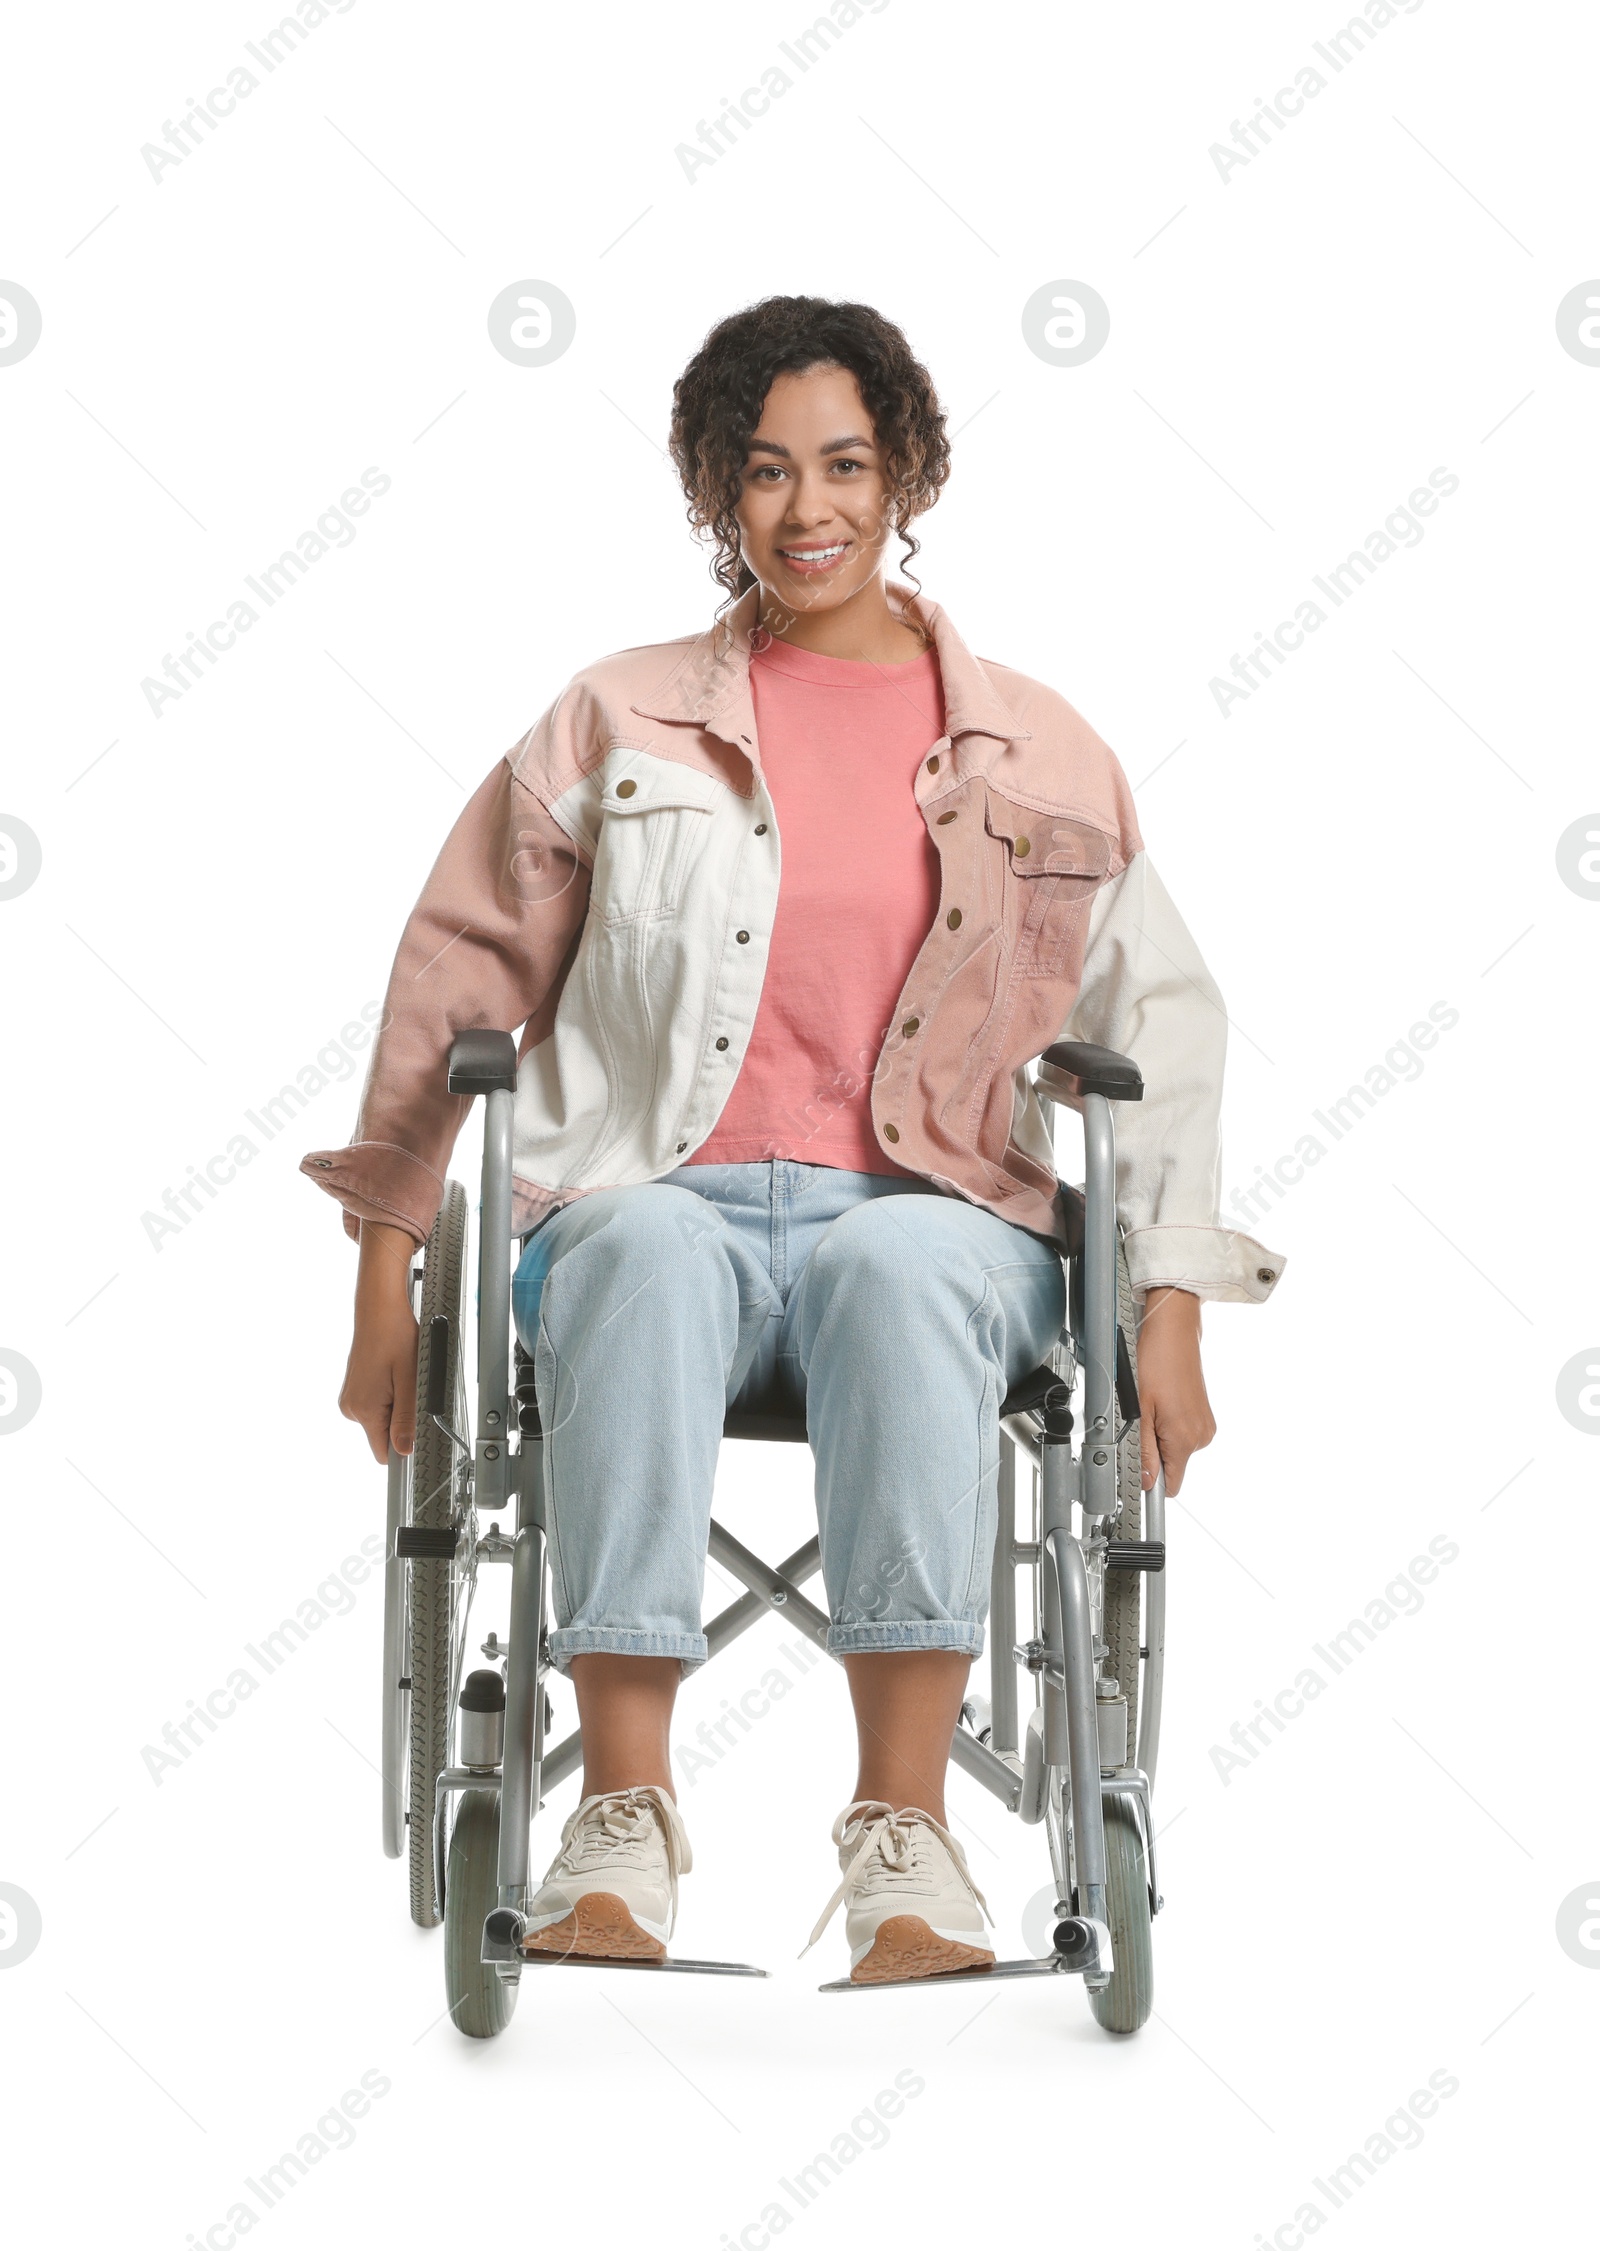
483, 1063
1096, 1070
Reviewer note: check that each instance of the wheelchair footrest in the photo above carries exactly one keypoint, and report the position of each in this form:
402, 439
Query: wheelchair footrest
1051, 1965
1082, 1948
608, 1962
437, 1543
1136, 1555
503, 1942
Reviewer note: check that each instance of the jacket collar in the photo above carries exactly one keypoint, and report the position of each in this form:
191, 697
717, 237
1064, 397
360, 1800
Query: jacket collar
710, 686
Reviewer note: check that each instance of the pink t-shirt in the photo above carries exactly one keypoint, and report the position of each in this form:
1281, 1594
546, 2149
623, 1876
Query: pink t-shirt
840, 745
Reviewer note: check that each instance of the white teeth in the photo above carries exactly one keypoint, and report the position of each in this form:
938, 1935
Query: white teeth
812, 554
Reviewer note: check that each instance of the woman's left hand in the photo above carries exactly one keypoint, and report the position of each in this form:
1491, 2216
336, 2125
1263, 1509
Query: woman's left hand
1175, 1418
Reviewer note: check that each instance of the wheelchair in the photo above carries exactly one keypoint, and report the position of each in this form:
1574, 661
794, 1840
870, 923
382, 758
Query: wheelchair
466, 1761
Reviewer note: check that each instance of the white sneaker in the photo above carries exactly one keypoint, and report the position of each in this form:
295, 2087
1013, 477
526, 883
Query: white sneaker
911, 1906
612, 1890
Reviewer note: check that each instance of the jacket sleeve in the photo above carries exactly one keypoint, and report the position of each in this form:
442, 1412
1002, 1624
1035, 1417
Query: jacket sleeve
1147, 993
486, 947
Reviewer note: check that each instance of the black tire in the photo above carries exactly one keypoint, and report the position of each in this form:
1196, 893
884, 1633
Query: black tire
1124, 2004
1124, 1589
481, 2001
433, 1503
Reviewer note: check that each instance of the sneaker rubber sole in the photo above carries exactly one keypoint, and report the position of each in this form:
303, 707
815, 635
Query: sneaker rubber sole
906, 1947
599, 1925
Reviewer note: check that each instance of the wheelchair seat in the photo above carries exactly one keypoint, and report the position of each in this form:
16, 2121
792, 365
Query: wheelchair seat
774, 1415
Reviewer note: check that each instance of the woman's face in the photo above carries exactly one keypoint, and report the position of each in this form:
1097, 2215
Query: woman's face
813, 514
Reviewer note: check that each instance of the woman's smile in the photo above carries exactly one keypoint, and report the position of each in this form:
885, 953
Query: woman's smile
810, 560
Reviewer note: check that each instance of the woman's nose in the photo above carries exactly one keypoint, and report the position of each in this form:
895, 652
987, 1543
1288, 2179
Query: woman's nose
812, 503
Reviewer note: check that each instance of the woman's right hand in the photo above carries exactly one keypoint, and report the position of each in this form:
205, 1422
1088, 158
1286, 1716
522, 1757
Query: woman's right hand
380, 1381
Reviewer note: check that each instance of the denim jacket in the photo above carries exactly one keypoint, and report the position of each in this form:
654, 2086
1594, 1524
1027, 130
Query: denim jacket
609, 893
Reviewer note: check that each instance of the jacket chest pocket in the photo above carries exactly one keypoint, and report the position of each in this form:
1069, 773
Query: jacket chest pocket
1053, 867
655, 820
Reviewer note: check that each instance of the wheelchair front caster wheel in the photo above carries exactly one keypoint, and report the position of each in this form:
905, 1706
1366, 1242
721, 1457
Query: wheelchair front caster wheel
481, 1999
1123, 2004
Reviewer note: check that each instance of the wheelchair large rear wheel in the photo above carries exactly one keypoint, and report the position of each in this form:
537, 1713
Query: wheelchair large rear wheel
1124, 2004
481, 2001
433, 1503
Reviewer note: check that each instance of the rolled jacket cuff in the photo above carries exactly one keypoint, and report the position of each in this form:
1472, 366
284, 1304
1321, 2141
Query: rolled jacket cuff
1213, 1262
380, 1181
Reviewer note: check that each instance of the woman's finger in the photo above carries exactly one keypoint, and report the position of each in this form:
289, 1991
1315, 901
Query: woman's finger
375, 1422
1174, 1460
403, 1412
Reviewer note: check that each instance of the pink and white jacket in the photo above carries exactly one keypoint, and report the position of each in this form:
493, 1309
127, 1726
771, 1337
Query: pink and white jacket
609, 891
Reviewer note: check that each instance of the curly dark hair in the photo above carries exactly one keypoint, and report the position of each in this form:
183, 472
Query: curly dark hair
717, 402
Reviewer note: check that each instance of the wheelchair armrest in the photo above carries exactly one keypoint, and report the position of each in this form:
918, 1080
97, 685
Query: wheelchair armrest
483, 1063
1078, 1067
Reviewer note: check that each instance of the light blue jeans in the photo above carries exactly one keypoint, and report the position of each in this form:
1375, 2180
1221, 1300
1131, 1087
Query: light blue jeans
897, 1315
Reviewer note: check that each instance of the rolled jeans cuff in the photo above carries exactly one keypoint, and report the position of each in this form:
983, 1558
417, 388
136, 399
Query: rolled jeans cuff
567, 1642
910, 1633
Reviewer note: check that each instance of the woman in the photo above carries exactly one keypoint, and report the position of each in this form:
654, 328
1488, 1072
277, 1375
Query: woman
774, 1129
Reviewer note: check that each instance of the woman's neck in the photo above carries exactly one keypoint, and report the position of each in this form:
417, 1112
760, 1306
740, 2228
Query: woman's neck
862, 627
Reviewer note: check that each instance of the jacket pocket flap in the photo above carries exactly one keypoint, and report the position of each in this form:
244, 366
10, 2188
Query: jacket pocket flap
648, 785
1047, 843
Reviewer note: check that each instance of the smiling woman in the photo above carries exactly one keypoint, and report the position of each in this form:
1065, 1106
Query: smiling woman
784, 912
805, 433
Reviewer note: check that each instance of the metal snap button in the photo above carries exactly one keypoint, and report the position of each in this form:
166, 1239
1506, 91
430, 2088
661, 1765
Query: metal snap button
743, 937
1265, 1274
908, 1028
933, 763
626, 789
682, 1145
323, 1164
891, 1133
761, 828
721, 1044
953, 918
1021, 848
944, 820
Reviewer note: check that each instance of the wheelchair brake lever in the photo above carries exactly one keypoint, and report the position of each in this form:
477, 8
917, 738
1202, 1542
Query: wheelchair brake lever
451, 1433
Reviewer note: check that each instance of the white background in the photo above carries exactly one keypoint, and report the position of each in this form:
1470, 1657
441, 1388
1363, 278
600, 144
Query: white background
1291, 352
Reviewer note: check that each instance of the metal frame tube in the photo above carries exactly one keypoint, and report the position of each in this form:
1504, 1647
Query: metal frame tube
520, 1785
980, 1764
1098, 1344
1082, 1723
740, 1616
1003, 1610
494, 1305
1155, 1632
1024, 1436
769, 1585
1057, 1479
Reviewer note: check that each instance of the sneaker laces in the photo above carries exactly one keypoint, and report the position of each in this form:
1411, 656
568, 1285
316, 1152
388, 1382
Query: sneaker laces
617, 1828
900, 1842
